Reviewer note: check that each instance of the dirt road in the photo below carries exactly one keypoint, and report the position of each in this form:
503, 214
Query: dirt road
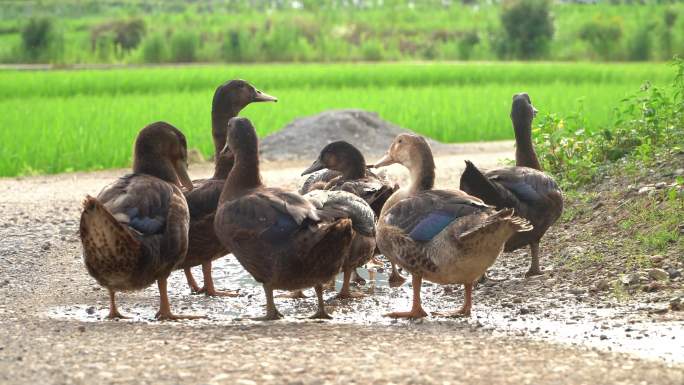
51, 329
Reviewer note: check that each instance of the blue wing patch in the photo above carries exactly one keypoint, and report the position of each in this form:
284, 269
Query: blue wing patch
145, 225
431, 225
282, 230
523, 191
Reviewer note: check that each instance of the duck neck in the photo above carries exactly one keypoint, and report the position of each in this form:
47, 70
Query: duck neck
244, 175
422, 174
160, 168
220, 115
222, 167
525, 156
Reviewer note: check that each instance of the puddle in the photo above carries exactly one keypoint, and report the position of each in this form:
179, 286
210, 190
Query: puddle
624, 329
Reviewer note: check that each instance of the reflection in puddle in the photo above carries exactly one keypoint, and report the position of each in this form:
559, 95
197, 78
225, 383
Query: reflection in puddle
577, 324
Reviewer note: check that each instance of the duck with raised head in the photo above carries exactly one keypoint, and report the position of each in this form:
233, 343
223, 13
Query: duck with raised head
136, 231
278, 236
444, 236
342, 167
533, 194
229, 99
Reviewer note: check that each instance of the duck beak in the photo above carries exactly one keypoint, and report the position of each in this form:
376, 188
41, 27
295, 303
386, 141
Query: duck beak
534, 112
264, 97
315, 166
385, 161
182, 171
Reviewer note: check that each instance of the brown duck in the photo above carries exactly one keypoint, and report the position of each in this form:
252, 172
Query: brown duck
444, 236
533, 194
279, 237
229, 99
341, 166
136, 231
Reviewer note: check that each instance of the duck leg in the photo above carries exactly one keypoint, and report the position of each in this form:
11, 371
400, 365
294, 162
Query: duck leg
113, 311
297, 294
345, 291
416, 309
272, 313
208, 288
534, 265
164, 312
464, 311
320, 314
194, 287
395, 279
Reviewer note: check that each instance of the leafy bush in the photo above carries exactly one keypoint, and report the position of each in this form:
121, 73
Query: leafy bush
639, 48
39, 39
645, 122
603, 35
528, 28
184, 47
154, 49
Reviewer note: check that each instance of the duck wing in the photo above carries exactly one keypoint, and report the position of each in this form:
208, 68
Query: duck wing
424, 215
154, 211
343, 204
204, 197
530, 192
317, 180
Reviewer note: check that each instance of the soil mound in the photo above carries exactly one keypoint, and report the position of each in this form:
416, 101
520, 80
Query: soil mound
305, 137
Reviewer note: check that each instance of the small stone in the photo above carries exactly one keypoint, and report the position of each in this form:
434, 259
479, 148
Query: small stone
656, 259
676, 304
577, 291
90, 310
602, 284
660, 185
652, 286
646, 189
603, 337
46, 246
81, 329
658, 274
674, 273
631, 279
679, 172
524, 310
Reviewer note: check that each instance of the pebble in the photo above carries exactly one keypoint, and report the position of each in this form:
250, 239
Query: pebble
646, 189
603, 337
676, 304
46, 246
674, 273
658, 274
602, 284
656, 259
577, 291
90, 310
660, 185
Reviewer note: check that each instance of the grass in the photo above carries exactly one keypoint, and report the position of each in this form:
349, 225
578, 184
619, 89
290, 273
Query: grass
56, 121
392, 30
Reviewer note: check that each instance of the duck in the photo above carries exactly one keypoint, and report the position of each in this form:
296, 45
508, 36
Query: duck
135, 232
341, 166
204, 247
362, 245
443, 236
278, 236
533, 194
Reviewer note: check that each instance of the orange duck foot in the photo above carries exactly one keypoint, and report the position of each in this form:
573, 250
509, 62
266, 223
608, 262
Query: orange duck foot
218, 293
532, 272
321, 314
270, 316
452, 314
396, 280
349, 294
168, 316
413, 314
297, 294
114, 314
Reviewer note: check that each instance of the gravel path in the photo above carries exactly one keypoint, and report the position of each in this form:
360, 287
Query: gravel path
50, 331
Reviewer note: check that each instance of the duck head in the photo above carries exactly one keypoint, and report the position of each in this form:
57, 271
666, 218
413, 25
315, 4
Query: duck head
406, 149
340, 156
161, 151
233, 96
414, 153
522, 109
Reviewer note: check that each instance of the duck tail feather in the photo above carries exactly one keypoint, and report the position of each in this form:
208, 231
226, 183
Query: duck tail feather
96, 216
475, 183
